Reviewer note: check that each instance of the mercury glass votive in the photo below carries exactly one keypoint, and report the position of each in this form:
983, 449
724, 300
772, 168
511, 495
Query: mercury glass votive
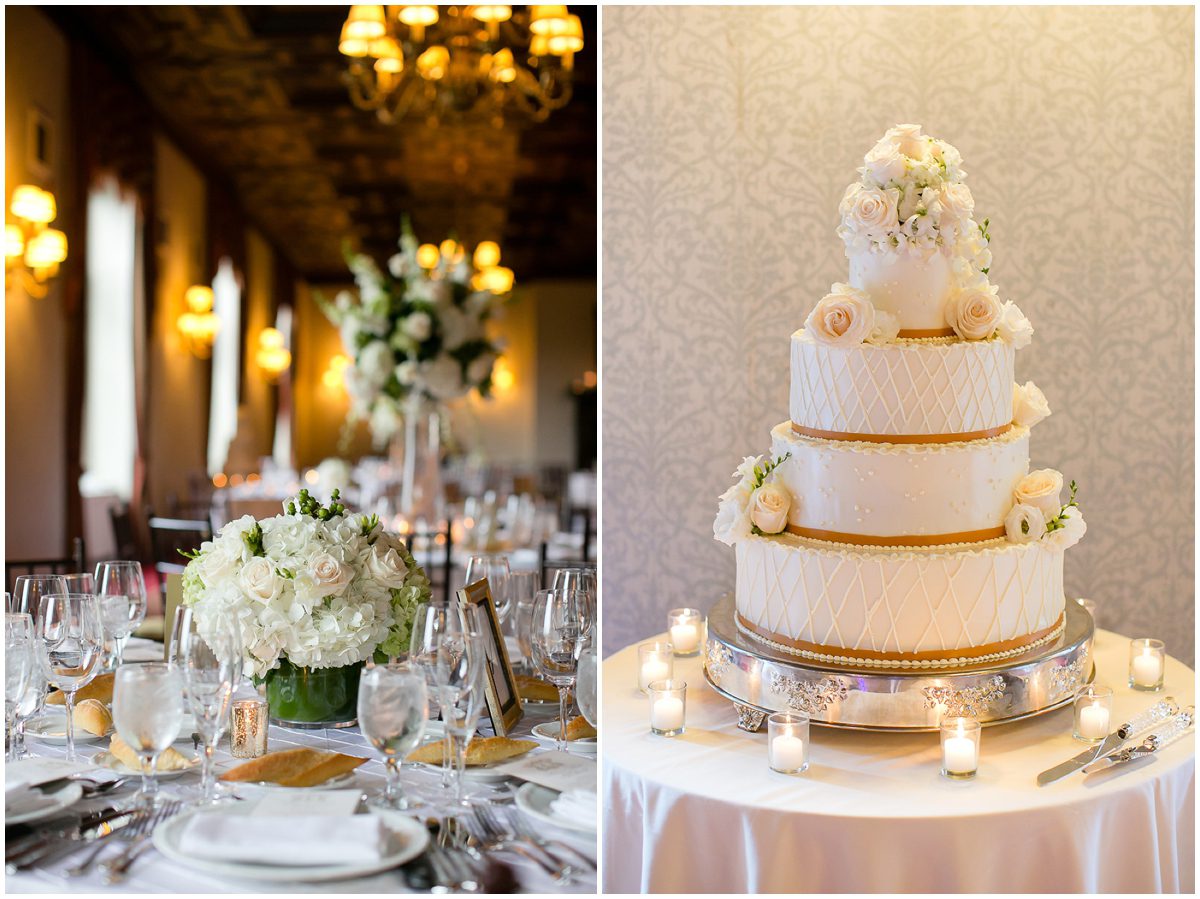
656, 661
787, 742
1093, 713
1147, 662
668, 706
248, 723
960, 747
686, 630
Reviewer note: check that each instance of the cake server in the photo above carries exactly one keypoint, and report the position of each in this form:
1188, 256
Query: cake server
1162, 736
1161, 710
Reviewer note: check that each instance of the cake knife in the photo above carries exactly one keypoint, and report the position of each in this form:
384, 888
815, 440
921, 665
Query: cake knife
1162, 736
1161, 710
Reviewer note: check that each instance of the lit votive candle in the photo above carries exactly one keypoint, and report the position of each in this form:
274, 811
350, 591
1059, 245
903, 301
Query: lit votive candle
960, 747
656, 661
686, 629
668, 707
1146, 663
1093, 713
788, 742
248, 725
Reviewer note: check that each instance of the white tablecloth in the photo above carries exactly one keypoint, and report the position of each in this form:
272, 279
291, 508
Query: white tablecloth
154, 874
703, 813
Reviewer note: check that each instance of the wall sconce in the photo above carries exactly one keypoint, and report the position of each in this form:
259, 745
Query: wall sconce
272, 357
199, 325
333, 377
490, 275
32, 251
502, 377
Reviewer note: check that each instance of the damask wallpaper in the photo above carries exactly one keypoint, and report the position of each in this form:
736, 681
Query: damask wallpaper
729, 136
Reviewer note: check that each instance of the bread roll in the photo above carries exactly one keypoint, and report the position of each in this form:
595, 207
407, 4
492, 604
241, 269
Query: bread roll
301, 767
480, 751
93, 716
170, 760
334, 765
539, 690
101, 687
579, 729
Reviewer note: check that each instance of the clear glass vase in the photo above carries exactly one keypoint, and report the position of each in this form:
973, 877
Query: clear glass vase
416, 451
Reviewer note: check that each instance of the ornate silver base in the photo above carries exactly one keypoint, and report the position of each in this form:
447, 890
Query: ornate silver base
760, 680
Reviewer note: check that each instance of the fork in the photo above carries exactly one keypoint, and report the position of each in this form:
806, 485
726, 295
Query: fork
128, 832
520, 826
115, 869
492, 834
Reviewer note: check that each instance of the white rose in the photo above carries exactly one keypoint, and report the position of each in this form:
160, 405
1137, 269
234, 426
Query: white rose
478, 370
872, 211
344, 301
973, 313
219, 563
844, 317
418, 326
1029, 404
329, 576
769, 506
733, 517
887, 328
398, 265
443, 377
1073, 529
457, 328
909, 139
1013, 326
1042, 489
258, 580
957, 202
885, 162
385, 420
375, 363
1024, 523
406, 372
386, 567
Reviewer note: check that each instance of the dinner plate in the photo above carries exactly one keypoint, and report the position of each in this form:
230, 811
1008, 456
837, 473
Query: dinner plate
62, 798
51, 727
534, 800
547, 732
413, 840
106, 759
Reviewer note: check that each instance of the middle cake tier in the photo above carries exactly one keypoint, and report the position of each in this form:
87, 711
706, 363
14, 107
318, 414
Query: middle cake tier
884, 494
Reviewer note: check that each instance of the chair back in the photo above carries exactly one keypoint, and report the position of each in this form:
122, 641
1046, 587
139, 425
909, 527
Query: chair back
171, 536
434, 551
75, 563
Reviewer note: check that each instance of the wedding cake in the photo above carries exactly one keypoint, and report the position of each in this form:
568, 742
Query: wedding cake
895, 522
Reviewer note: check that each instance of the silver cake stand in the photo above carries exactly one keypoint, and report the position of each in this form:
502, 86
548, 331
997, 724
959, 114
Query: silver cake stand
759, 680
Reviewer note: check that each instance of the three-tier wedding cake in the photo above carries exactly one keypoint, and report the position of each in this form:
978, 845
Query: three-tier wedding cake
895, 522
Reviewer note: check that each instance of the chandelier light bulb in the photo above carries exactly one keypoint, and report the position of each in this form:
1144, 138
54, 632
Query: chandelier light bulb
199, 298
432, 64
449, 248
418, 15
355, 47
14, 242
503, 69
46, 249
428, 255
542, 19
497, 280
389, 57
492, 13
567, 36
365, 23
487, 254
33, 204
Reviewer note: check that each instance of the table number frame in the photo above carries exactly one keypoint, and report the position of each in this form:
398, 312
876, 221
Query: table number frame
503, 700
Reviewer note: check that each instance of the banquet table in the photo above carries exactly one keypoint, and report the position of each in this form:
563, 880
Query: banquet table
703, 813
154, 874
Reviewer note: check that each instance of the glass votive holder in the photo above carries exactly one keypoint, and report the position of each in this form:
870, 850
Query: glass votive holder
686, 630
1147, 662
248, 724
1093, 713
787, 742
656, 661
960, 747
668, 705
1090, 605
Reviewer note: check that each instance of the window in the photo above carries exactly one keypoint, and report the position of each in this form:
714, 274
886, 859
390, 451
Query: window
226, 365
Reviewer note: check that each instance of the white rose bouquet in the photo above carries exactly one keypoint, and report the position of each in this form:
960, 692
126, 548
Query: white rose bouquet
312, 586
416, 330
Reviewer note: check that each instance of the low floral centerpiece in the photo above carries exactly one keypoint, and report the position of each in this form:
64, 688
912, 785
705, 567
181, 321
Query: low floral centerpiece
316, 592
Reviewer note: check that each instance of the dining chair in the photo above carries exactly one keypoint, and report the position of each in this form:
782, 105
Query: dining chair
440, 555
75, 562
170, 536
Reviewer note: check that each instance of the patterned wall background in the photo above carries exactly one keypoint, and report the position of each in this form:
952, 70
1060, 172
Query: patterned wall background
729, 136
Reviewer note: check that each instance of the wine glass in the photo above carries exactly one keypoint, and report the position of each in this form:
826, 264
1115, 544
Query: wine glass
461, 680
585, 687
522, 585
181, 626
212, 669
122, 593
148, 713
32, 702
19, 669
83, 582
560, 629
494, 567
392, 708
68, 625
28, 590
577, 577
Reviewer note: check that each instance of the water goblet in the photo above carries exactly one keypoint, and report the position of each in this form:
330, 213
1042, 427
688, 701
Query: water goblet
560, 629
81, 582
392, 709
19, 669
68, 625
148, 713
28, 590
586, 683
461, 680
431, 623
122, 594
494, 567
212, 668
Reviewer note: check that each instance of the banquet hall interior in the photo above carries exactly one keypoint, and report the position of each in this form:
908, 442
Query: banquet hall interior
183, 186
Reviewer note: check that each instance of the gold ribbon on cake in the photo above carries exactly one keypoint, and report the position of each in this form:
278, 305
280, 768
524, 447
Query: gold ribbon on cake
925, 332
852, 436
901, 540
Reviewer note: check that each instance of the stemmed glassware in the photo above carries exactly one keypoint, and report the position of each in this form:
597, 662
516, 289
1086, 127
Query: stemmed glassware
461, 682
32, 702
577, 577
392, 708
122, 594
212, 669
561, 624
28, 590
20, 667
148, 713
522, 587
68, 625
585, 685
83, 582
494, 567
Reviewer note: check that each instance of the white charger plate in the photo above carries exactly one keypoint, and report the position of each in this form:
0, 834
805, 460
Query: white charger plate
547, 732
413, 840
62, 798
534, 800
51, 727
106, 759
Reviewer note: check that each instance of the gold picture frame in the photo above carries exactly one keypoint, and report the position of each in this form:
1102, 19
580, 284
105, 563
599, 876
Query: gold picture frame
503, 699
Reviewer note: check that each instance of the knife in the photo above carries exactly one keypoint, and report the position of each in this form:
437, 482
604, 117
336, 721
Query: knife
1161, 710
1162, 736
54, 845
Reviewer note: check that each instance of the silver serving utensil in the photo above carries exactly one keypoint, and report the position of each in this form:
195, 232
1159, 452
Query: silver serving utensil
1162, 736
1160, 711
115, 869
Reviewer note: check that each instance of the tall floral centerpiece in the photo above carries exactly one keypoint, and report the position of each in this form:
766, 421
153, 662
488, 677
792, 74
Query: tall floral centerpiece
316, 593
417, 337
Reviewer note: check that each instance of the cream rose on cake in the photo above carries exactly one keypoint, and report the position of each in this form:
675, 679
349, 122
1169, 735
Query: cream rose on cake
769, 507
885, 163
1013, 326
973, 313
870, 211
1029, 405
844, 317
1024, 523
1041, 489
752, 502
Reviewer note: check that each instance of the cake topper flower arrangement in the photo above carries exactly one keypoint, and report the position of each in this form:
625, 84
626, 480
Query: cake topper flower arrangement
1038, 512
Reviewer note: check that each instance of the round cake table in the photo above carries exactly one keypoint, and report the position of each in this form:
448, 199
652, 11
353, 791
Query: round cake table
702, 812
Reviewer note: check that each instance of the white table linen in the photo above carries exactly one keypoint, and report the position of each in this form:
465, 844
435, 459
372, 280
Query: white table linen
702, 812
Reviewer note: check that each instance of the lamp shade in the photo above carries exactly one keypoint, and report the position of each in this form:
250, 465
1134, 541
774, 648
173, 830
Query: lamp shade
365, 23
199, 298
427, 255
487, 254
418, 15
33, 204
348, 45
14, 241
433, 62
567, 36
492, 13
543, 18
389, 57
503, 69
46, 249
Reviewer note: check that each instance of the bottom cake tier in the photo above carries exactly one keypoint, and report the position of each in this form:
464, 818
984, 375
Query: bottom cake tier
936, 607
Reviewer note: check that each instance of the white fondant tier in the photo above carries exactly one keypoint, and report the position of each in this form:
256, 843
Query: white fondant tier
930, 493
911, 388
914, 287
945, 605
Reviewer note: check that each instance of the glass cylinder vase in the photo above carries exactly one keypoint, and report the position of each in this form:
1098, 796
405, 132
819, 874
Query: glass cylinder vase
313, 697
416, 451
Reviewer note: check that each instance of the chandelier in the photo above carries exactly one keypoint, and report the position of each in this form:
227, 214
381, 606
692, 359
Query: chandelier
32, 250
460, 63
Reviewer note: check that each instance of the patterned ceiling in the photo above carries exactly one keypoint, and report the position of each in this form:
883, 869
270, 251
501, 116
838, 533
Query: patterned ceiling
256, 92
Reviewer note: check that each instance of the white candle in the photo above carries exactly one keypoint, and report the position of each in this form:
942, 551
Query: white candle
666, 713
787, 753
1093, 722
959, 755
653, 669
685, 637
1147, 668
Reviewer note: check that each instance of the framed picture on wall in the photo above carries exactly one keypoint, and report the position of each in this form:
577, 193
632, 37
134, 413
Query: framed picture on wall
39, 154
503, 700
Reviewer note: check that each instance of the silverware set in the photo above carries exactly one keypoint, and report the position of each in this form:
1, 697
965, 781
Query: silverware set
136, 832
